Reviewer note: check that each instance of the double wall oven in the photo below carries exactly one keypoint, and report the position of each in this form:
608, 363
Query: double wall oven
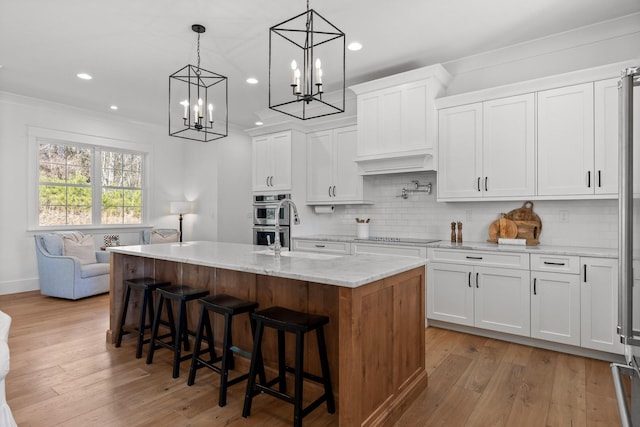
264, 219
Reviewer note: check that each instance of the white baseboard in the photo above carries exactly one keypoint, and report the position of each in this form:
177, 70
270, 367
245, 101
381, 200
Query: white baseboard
17, 286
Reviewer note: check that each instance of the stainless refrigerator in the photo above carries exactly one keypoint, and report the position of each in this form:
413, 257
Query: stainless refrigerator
628, 315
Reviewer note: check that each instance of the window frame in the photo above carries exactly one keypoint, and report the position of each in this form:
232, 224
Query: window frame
97, 144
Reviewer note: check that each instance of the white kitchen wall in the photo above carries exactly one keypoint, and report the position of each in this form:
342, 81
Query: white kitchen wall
18, 267
592, 223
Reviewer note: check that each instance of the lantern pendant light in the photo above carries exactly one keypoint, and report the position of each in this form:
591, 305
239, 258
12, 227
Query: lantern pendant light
300, 42
198, 101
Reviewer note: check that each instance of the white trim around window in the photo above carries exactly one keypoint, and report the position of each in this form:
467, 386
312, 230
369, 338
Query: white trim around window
38, 135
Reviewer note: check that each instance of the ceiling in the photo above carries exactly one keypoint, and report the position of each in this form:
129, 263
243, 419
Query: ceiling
130, 47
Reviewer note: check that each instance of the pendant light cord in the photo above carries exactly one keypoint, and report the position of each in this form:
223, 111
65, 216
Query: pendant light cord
198, 51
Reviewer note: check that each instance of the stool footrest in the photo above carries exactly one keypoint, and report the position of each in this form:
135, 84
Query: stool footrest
240, 351
306, 375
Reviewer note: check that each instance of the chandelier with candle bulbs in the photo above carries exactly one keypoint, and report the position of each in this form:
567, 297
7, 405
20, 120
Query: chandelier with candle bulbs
301, 41
198, 101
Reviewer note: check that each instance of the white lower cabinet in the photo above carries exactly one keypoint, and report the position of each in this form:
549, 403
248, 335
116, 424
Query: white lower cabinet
483, 296
599, 305
555, 306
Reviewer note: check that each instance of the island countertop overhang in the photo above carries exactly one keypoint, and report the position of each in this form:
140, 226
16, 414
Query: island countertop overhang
347, 271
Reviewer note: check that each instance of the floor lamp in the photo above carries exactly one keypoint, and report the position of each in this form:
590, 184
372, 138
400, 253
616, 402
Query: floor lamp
181, 208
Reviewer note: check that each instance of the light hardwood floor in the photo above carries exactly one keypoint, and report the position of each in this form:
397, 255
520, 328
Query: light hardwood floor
63, 373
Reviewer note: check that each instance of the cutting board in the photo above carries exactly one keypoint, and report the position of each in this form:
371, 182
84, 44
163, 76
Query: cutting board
502, 228
528, 223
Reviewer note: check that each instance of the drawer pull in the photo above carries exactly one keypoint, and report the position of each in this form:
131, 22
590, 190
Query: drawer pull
474, 257
553, 263
320, 246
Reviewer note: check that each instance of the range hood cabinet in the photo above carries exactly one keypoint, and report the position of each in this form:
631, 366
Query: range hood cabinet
397, 121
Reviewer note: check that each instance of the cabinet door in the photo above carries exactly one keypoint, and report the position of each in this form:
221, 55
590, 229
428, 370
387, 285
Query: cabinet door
502, 300
599, 305
281, 161
606, 136
319, 166
508, 150
450, 293
555, 307
261, 162
565, 141
459, 156
347, 180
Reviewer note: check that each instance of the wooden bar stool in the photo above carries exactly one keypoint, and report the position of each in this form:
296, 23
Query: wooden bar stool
228, 307
298, 323
146, 285
180, 336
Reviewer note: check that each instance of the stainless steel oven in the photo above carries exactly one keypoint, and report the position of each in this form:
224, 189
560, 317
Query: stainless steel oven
266, 235
264, 210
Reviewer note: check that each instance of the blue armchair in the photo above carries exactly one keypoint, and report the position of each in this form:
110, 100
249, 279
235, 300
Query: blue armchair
64, 276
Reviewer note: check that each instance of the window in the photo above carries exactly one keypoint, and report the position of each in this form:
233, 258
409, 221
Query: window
85, 184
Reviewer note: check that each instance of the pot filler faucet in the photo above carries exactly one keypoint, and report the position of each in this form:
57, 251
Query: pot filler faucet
277, 246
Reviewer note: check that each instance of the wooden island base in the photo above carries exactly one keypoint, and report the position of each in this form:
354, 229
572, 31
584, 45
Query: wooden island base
375, 337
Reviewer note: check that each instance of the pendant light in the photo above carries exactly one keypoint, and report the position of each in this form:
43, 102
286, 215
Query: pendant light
198, 101
306, 55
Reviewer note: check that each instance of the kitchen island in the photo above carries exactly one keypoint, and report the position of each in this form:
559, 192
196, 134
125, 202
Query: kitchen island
375, 336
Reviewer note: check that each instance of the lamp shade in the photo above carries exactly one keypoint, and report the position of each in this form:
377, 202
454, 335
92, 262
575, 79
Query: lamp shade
177, 208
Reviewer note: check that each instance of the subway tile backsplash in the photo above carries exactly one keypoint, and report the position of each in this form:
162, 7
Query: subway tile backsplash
592, 223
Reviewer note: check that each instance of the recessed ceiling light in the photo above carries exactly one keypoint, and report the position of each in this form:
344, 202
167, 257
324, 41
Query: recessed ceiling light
84, 76
259, 123
114, 107
252, 81
354, 46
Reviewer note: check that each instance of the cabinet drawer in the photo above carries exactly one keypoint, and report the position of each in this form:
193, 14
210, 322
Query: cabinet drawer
322, 246
557, 263
385, 249
491, 259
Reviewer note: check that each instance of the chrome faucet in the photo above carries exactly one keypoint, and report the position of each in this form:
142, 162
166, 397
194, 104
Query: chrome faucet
277, 246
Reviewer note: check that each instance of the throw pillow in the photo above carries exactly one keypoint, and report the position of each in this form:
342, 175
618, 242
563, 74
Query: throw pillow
167, 237
80, 247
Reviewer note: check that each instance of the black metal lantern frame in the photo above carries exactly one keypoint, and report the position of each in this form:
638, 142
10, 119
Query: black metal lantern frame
306, 37
192, 93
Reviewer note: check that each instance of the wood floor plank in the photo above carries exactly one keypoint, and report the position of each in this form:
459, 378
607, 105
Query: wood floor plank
63, 373
567, 406
531, 406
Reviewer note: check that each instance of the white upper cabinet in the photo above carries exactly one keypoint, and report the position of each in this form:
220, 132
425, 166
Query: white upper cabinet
565, 141
271, 162
397, 121
460, 157
487, 149
332, 174
606, 137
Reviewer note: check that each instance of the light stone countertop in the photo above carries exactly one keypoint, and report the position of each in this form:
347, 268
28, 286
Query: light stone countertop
341, 270
486, 246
